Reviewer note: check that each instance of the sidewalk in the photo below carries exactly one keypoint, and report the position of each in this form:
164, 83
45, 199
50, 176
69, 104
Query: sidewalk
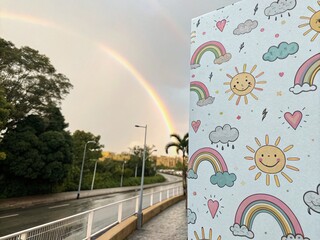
170, 224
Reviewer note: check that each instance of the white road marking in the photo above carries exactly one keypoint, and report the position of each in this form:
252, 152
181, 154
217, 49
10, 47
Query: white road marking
58, 206
12, 215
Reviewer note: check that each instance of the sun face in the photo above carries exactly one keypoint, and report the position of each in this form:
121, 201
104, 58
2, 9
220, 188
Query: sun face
242, 84
203, 235
314, 23
270, 159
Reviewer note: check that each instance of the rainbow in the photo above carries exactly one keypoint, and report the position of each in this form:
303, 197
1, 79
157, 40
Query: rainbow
255, 204
210, 155
212, 46
200, 89
104, 48
304, 79
308, 71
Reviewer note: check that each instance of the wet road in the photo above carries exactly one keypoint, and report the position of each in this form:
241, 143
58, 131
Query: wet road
15, 220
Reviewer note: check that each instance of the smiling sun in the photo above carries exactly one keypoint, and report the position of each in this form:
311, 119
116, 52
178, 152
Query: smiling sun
314, 22
243, 84
271, 160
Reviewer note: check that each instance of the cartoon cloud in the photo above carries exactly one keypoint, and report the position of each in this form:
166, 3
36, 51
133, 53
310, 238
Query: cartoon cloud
312, 200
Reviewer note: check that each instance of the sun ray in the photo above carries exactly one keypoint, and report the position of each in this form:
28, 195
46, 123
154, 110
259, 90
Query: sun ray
245, 99
232, 95
303, 25
259, 89
288, 148
248, 158
311, 9
229, 76
257, 141
259, 75
314, 37
226, 83
196, 235
267, 139
253, 68
293, 168
287, 177
229, 90
254, 96
237, 70
252, 167
238, 100
261, 82
244, 67
277, 141
306, 32
257, 176
250, 149
304, 17
293, 159
268, 179
276, 179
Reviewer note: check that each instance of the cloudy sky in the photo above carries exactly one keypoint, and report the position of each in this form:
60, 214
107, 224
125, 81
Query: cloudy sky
127, 60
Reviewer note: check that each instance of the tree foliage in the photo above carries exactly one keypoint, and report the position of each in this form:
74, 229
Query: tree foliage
39, 154
30, 82
180, 144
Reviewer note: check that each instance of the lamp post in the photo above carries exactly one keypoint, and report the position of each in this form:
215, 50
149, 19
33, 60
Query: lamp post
84, 156
94, 174
139, 214
122, 173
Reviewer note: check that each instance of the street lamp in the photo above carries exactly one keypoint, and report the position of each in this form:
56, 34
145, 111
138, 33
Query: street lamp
94, 174
139, 214
122, 173
84, 156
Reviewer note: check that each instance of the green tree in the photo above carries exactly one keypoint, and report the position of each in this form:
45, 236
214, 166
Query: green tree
181, 144
38, 155
5, 108
93, 152
30, 82
137, 157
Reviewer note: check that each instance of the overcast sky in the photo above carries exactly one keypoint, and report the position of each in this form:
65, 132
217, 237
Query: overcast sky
128, 61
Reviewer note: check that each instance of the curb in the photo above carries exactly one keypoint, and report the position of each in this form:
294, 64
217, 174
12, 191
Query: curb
124, 229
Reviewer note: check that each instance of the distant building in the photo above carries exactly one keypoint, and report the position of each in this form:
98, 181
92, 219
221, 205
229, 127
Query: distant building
168, 161
160, 160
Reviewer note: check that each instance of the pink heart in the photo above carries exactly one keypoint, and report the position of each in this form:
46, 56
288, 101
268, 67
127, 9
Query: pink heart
221, 24
293, 119
195, 125
281, 74
213, 207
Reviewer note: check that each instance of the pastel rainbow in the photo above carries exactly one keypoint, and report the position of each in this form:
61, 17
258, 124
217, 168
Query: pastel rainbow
308, 71
200, 89
210, 155
212, 46
264, 203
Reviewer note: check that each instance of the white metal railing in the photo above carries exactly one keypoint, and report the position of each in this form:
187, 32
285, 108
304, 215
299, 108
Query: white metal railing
90, 223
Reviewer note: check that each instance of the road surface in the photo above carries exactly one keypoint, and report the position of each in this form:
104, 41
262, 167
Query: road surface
18, 219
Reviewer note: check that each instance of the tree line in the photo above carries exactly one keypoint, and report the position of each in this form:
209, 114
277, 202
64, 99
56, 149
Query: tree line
37, 153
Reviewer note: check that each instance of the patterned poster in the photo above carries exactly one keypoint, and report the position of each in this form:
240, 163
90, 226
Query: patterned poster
254, 163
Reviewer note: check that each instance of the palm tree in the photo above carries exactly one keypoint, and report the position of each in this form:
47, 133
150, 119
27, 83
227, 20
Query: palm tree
181, 144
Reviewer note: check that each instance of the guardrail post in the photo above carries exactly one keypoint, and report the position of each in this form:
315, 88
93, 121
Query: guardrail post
89, 225
151, 199
120, 212
160, 197
23, 236
173, 192
137, 204
168, 193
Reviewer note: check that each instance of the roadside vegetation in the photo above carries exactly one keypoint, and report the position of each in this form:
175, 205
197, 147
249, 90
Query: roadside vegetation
38, 155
